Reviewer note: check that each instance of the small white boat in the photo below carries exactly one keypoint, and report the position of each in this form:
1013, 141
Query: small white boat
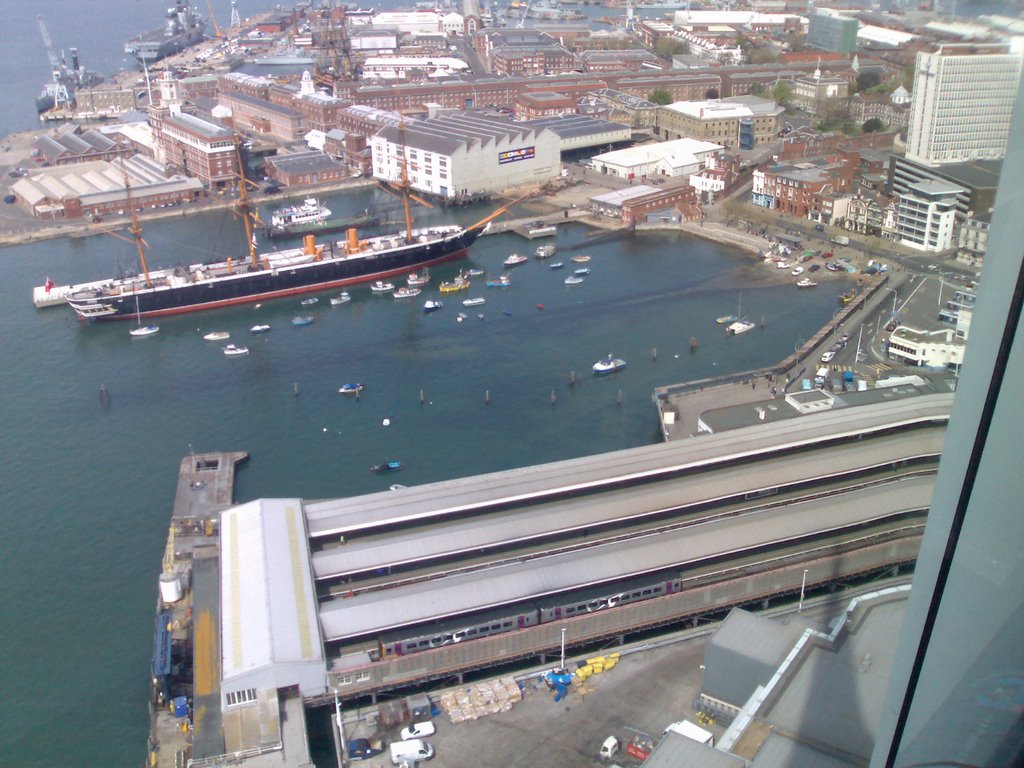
415, 278
805, 283
407, 293
460, 317
341, 298
431, 305
232, 351
608, 365
573, 280
260, 328
545, 251
474, 302
581, 259
725, 319
144, 330
515, 260
797, 271
217, 336
557, 265
351, 389
474, 272
382, 287
581, 271
310, 212
309, 302
302, 320
740, 326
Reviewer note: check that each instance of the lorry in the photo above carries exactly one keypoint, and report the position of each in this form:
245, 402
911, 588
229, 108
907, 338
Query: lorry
410, 752
691, 731
840, 239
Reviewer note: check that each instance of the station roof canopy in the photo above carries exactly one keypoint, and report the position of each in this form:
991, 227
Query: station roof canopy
268, 609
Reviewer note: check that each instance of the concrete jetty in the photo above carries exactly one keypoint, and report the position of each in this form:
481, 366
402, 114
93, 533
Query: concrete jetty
185, 709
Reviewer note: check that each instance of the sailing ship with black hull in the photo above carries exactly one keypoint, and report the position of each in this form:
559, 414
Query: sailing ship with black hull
306, 269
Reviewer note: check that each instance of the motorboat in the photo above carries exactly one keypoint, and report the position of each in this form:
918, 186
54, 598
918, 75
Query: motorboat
432, 305
415, 279
460, 283
341, 298
232, 351
351, 389
515, 260
474, 272
500, 282
474, 302
573, 280
725, 319
217, 336
381, 287
608, 364
557, 265
545, 251
581, 271
407, 293
805, 283
302, 320
260, 328
309, 302
581, 259
386, 466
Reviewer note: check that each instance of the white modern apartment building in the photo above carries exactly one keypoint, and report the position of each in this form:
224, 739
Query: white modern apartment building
963, 100
926, 216
461, 155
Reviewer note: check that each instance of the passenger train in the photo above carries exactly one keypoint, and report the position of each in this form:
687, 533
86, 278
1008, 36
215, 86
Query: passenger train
543, 611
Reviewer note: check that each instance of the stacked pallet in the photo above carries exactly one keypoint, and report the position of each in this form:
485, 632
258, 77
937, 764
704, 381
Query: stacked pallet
486, 698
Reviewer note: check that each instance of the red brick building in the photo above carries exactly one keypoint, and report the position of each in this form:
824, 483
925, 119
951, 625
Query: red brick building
532, 106
797, 189
683, 199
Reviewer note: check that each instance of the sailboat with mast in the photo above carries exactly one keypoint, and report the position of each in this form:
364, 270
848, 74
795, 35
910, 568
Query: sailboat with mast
742, 324
263, 276
140, 330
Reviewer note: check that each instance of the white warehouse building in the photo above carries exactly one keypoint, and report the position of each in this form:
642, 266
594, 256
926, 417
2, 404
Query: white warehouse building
464, 155
681, 157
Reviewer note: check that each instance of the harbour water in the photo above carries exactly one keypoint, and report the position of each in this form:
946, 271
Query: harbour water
87, 488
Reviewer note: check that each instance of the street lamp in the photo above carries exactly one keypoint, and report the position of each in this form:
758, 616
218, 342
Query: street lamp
803, 586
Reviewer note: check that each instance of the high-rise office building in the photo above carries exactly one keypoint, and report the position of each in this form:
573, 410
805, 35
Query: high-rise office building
963, 99
831, 32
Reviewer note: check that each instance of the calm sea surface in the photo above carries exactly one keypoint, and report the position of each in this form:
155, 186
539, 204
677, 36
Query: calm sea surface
86, 490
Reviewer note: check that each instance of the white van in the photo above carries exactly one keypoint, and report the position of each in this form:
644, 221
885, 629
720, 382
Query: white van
410, 751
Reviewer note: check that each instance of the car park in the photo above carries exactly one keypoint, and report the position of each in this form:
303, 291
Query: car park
418, 731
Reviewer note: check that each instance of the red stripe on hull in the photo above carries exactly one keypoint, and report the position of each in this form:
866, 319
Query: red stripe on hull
289, 292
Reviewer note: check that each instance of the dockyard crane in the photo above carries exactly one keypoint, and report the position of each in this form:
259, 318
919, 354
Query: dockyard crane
216, 27
58, 85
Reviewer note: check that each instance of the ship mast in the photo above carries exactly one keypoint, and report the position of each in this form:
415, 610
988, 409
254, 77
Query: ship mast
243, 205
136, 232
402, 164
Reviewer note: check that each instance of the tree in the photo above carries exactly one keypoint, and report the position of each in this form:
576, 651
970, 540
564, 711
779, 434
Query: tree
783, 93
711, 94
834, 115
660, 96
757, 89
908, 76
873, 125
667, 47
866, 80
796, 42
762, 56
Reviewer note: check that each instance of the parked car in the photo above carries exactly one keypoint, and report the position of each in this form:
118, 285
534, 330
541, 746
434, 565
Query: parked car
814, 267
364, 749
819, 227
891, 326
827, 356
418, 730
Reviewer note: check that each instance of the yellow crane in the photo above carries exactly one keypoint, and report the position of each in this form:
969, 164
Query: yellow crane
216, 27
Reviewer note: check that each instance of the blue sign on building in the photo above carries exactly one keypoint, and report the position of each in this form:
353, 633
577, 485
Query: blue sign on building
763, 200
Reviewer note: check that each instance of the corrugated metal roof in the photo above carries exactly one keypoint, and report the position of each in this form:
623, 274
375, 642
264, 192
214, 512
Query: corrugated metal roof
372, 612
268, 609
